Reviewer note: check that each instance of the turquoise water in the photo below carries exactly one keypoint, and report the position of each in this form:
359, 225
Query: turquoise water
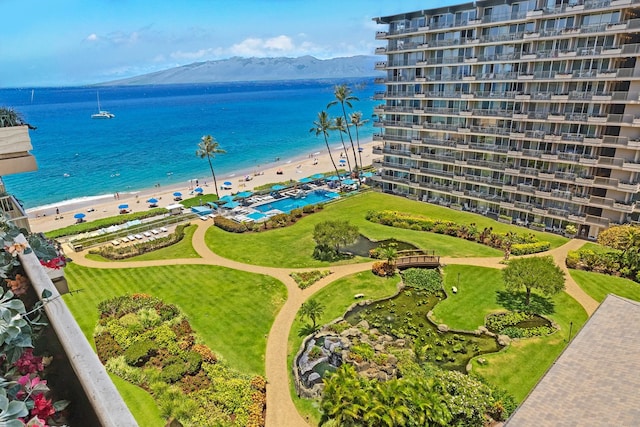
154, 136
288, 204
256, 216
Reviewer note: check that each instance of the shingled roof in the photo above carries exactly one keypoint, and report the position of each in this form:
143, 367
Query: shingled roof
596, 380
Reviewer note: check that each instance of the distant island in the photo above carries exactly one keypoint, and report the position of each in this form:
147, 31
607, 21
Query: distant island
238, 69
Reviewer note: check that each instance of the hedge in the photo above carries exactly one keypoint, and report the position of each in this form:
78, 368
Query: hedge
529, 248
229, 225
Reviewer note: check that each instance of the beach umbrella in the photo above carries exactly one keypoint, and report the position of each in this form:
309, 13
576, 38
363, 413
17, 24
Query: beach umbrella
152, 200
367, 174
231, 205
123, 206
317, 176
227, 198
227, 183
177, 194
333, 178
278, 187
79, 215
244, 194
198, 190
343, 161
349, 181
305, 180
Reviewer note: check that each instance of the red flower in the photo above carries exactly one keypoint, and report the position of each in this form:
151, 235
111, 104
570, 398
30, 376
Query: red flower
42, 407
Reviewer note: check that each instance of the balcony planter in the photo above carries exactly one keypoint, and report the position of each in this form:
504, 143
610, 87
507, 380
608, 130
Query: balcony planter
597, 119
612, 51
531, 36
525, 77
617, 27
78, 374
563, 75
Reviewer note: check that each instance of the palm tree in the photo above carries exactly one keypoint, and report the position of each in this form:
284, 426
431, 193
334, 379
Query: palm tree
341, 127
322, 126
357, 122
390, 254
209, 147
344, 97
313, 310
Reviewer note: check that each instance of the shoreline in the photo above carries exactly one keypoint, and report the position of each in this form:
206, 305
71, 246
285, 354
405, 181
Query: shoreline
44, 218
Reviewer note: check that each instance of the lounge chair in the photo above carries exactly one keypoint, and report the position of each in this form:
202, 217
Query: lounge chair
147, 234
154, 231
139, 236
115, 242
131, 237
124, 240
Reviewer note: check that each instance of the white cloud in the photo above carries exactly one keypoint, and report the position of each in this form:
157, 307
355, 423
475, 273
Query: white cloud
254, 46
92, 37
198, 54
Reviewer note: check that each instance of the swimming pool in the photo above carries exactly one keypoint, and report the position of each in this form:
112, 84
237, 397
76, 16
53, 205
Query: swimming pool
288, 204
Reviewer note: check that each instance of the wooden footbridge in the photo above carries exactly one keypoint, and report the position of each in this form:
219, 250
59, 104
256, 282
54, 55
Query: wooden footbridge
420, 260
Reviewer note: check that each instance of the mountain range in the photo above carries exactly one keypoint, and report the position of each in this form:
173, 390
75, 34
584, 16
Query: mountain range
258, 69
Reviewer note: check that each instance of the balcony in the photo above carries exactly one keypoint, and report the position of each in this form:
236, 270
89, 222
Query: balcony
15, 145
629, 186
631, 165
627, 207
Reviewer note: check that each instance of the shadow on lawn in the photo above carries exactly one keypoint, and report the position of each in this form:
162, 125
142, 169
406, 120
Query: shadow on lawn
515, 301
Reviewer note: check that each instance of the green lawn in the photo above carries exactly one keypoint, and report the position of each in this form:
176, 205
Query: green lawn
232, 313
182, 249
518, 368
140, 403
475, 299
599, 285
292, 247
336, 298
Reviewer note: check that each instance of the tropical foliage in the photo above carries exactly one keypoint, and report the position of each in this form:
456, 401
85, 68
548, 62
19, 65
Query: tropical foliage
321, 126
331, 235
208, 147
304, 279
423, 398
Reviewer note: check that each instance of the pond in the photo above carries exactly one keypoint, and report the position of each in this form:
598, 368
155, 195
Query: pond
405, 316
363, 245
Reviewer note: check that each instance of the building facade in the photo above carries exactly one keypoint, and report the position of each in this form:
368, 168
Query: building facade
15, 157
523, 109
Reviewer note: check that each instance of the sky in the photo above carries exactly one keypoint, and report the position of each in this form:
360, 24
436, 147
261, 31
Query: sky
78, 42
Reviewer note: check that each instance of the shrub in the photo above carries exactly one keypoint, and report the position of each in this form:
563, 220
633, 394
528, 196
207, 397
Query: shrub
174, 371
304, 279
383, 269
499, 321
421, 278
139, 352
193, 361
205, 352
107, 347
505, 218
573, 259
529, 248
279, 220
297, 213
308, 209
229, 225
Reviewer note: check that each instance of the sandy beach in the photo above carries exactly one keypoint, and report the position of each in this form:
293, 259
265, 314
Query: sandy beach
46, 219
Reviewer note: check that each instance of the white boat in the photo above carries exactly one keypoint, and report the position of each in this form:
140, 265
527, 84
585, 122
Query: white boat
102, 114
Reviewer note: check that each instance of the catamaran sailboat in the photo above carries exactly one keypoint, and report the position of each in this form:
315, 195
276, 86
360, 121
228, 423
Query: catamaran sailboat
102, 114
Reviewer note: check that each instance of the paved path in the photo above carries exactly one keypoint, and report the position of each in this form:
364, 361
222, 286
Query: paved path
281, 412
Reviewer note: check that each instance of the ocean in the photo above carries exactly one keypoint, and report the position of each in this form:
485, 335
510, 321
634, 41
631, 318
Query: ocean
156, 130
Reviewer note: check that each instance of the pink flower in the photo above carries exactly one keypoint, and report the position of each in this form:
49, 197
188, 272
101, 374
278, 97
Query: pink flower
42, 407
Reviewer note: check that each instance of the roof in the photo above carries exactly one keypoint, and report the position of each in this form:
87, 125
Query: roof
175, 206
595, 381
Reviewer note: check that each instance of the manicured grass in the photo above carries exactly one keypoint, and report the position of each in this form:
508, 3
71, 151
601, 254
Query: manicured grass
336, 298
293, 246
231, 310
140, 403
182, 249
518, 368
475, 299
599, 285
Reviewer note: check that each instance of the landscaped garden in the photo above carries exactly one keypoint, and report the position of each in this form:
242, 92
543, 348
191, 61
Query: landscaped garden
233, 316
293, 246
480, 292
230, 300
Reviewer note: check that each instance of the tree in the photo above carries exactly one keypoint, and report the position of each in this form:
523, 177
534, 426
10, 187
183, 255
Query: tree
626, 239
530, 273
341, 127
357, 122
344, 97
208, 148
346, 398
312, 309
389, 253
322, 126
335, 233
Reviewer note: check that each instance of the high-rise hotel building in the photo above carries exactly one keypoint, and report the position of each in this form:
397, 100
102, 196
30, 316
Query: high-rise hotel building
527, 109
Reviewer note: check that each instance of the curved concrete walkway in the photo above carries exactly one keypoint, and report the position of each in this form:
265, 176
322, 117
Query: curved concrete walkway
281, 411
